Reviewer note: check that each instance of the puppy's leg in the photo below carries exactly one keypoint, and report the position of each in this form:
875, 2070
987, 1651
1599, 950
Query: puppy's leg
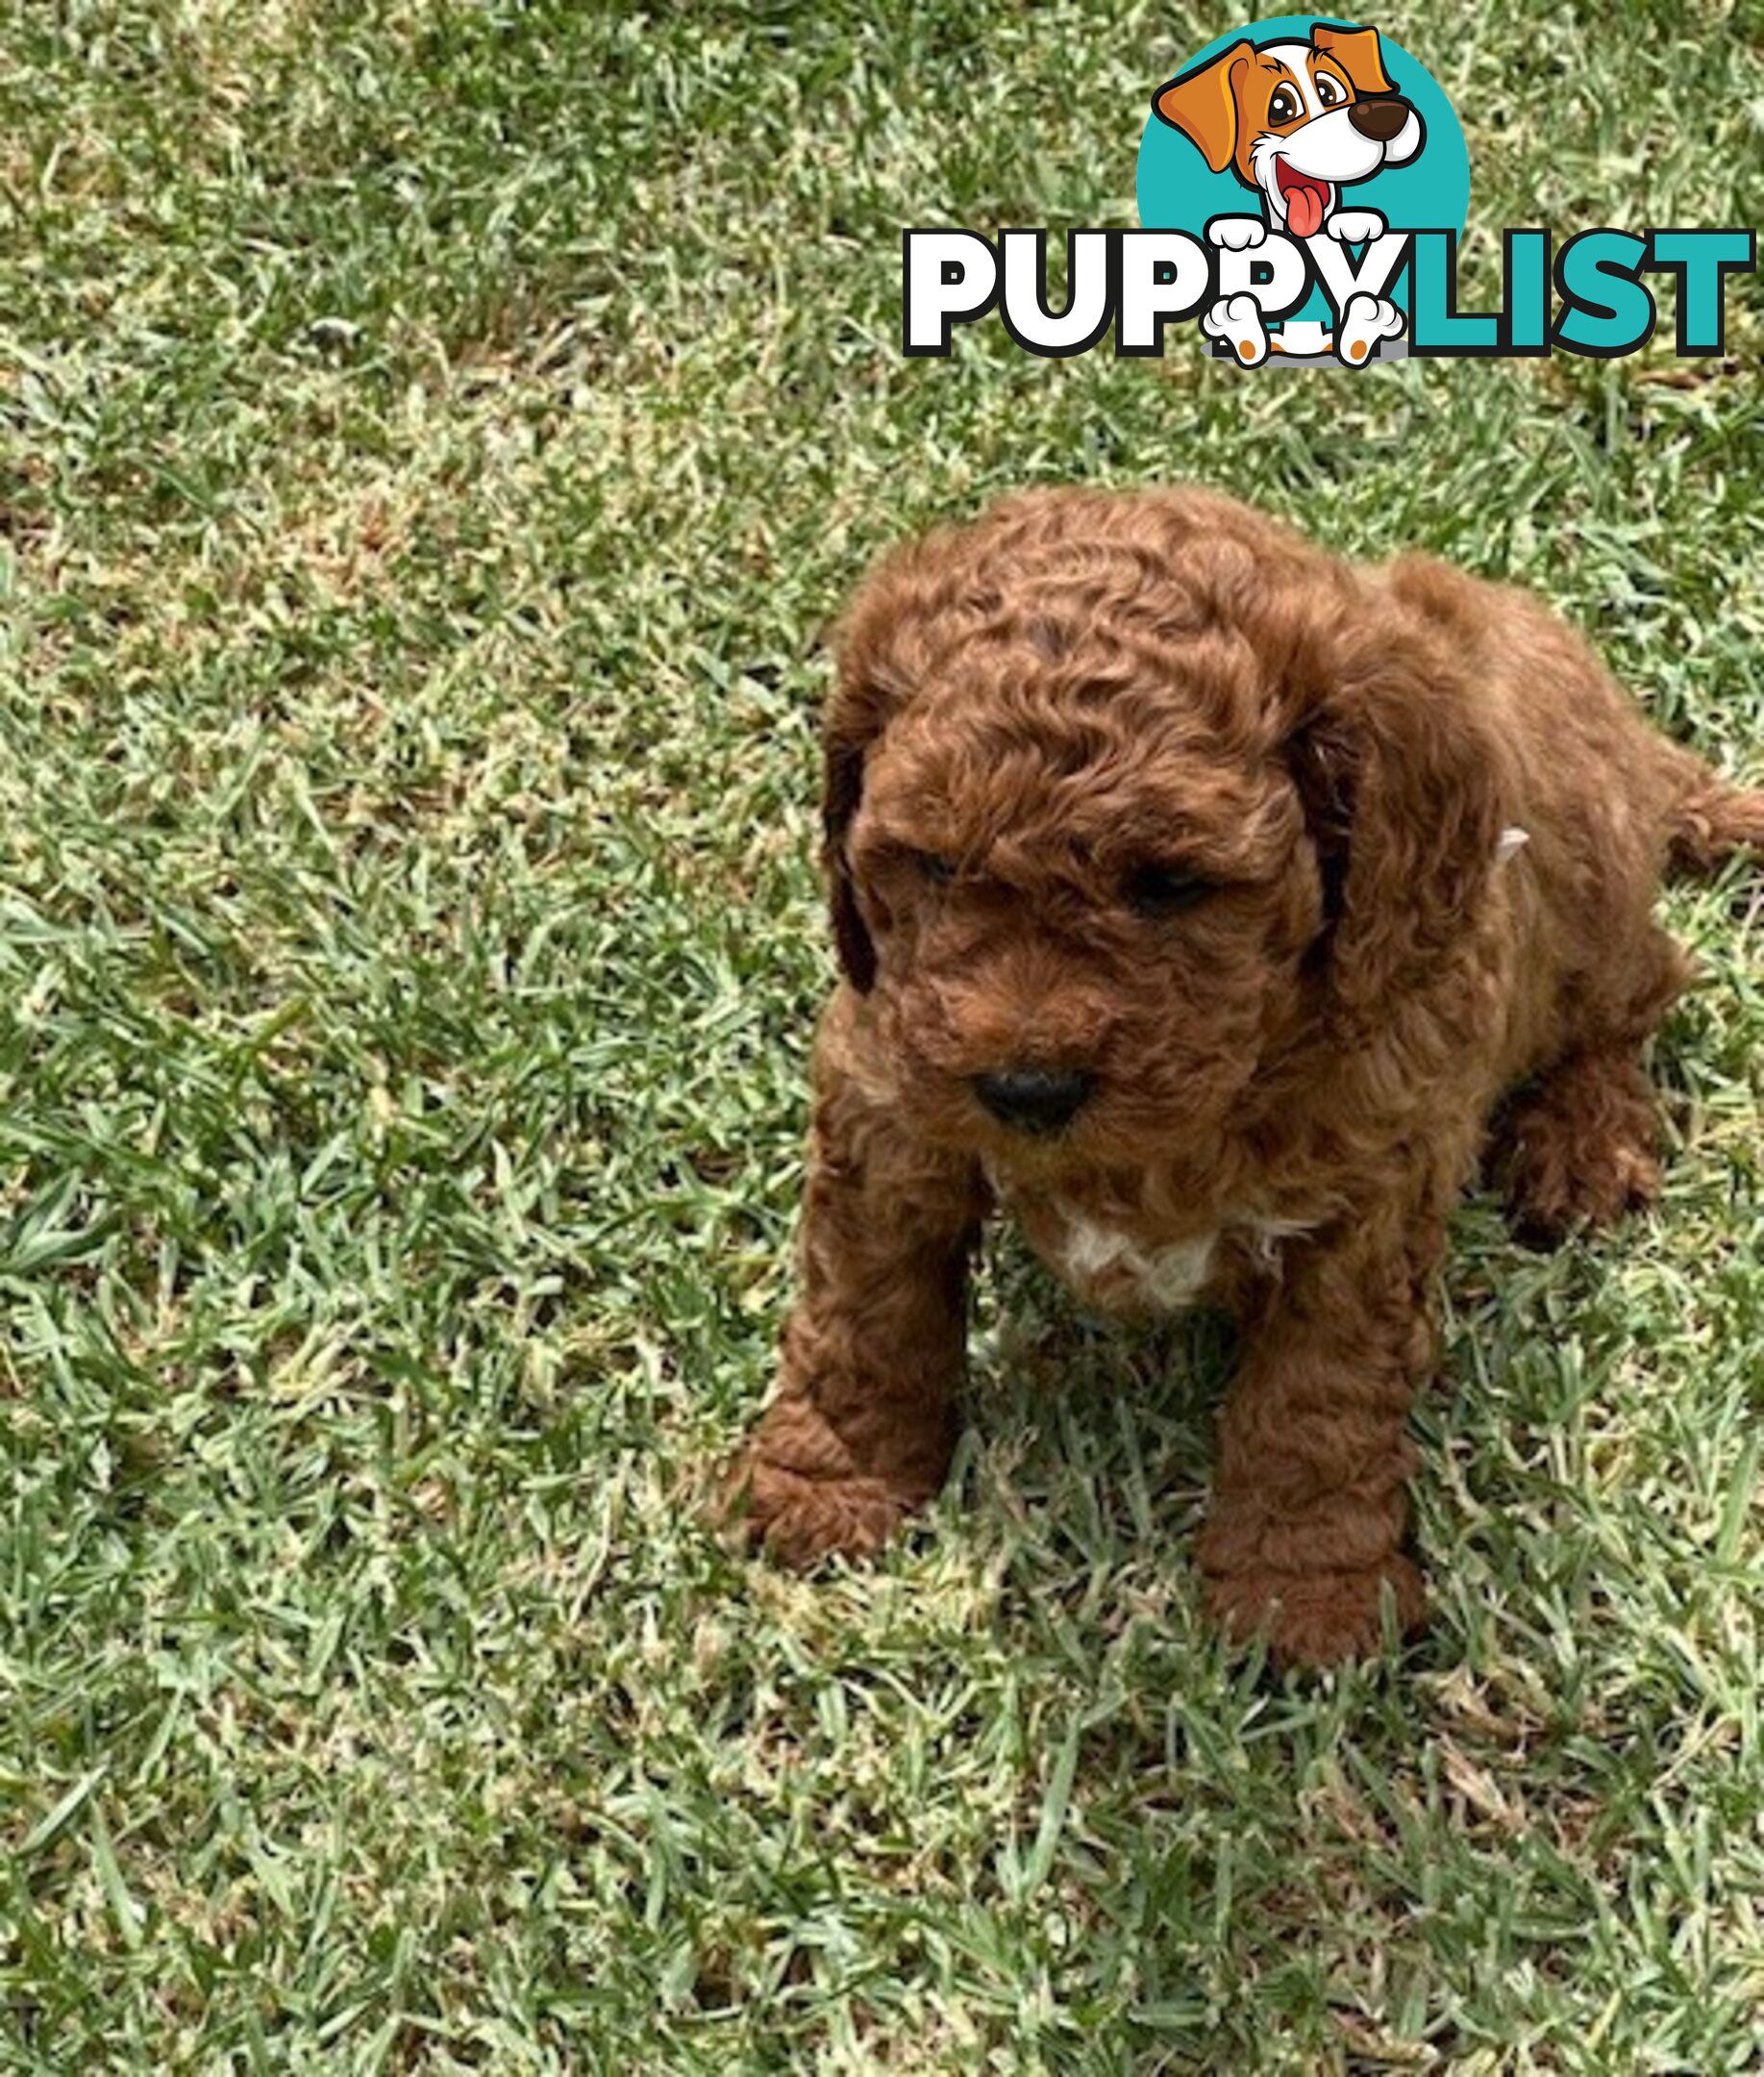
861, 1430
1310, 1499
1580, 1145
1579, 1149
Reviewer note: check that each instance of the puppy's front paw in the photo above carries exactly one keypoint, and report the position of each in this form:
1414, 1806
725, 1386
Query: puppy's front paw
1237, 234
1355, 226
800, 1517
1578, 1150
1318, 1618
1554, 1190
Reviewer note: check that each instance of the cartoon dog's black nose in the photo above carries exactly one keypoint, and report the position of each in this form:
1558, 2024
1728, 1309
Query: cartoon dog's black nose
1034, 1099
1382, 119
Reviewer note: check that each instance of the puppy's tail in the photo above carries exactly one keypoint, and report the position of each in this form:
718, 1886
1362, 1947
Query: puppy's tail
1712, 822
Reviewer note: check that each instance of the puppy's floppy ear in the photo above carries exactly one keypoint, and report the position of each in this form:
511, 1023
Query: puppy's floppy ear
1400, 782
841, 790
1202, 105
1359, 52
862, 700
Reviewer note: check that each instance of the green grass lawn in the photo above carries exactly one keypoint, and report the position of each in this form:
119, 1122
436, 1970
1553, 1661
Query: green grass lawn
436, 438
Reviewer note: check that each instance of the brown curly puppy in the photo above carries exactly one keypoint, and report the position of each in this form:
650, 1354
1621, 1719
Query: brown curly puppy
1200, 897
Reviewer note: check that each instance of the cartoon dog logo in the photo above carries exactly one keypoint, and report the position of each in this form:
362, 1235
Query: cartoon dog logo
1297, 123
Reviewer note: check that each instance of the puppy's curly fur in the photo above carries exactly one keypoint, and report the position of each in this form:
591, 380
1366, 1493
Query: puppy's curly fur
1217, 837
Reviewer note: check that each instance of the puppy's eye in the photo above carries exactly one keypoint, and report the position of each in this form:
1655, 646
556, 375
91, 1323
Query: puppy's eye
939, 871
1283, 106
1330, 91
1164, 891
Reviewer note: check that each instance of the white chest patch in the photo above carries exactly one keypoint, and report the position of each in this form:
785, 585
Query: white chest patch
1169, 1277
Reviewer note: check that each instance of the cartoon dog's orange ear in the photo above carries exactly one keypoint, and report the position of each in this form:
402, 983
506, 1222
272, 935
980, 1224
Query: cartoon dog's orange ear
1359, 55
1202, 106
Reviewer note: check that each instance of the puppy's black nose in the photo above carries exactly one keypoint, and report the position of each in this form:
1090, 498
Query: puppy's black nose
1034, 1099
1380, 119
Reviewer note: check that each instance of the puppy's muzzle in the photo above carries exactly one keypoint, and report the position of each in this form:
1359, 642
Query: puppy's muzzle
1034, 1099
1382, 119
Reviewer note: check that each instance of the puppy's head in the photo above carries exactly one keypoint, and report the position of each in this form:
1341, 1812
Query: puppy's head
1296, 121
1130, 799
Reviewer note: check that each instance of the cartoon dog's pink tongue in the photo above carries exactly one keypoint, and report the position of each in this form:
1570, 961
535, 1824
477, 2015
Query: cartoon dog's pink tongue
1305, 200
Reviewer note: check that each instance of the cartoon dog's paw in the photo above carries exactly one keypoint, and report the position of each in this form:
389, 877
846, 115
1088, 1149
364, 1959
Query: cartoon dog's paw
1366, 321
1237, 234
1355, 226
1238, 320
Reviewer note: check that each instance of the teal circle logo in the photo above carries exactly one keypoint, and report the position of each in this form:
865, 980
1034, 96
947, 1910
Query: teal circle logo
1306, 129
